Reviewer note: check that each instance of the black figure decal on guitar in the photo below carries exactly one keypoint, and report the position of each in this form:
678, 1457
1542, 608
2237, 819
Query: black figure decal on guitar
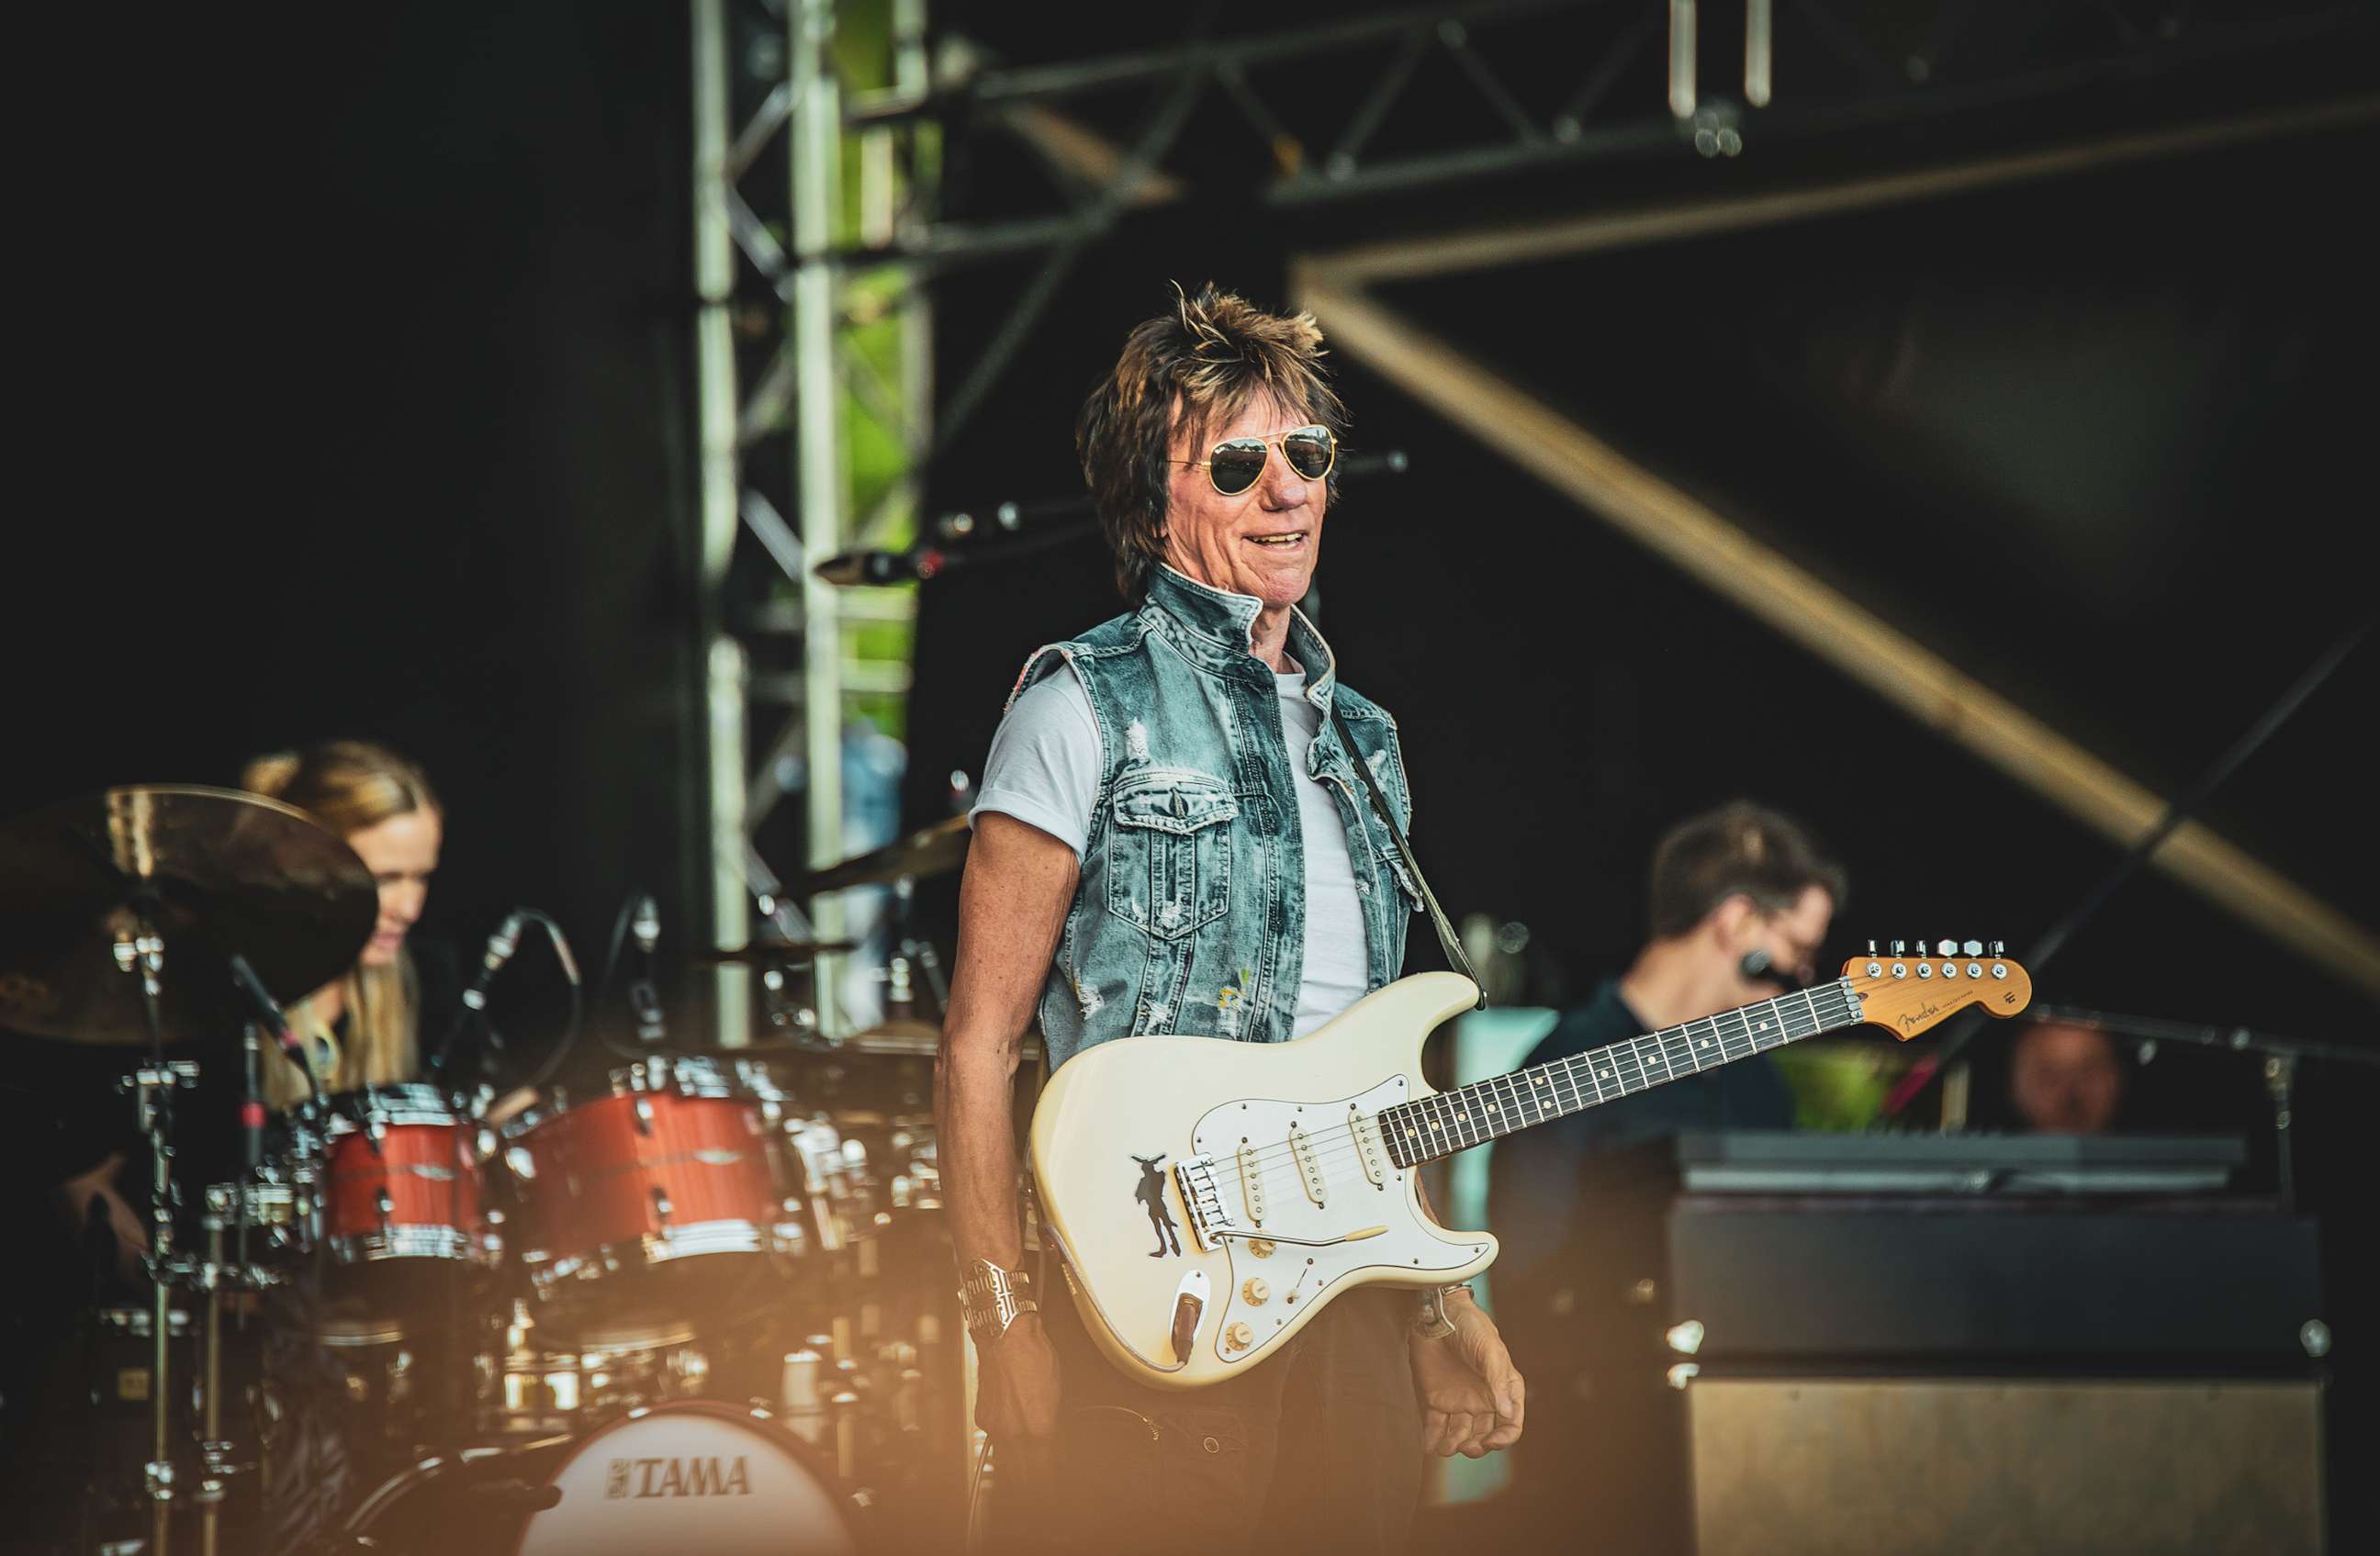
1151, 1193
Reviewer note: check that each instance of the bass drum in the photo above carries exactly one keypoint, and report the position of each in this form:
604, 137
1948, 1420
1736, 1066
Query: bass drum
691, 1478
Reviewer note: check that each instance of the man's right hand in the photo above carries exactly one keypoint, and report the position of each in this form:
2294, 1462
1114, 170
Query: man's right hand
1017, 1384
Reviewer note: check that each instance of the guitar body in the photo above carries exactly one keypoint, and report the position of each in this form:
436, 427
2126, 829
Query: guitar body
1208, 1198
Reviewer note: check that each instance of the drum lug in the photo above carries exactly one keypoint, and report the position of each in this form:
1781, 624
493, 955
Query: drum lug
645, 1118
661, 1206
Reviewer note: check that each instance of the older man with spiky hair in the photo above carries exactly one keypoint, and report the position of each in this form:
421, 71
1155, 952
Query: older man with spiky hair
1173, 836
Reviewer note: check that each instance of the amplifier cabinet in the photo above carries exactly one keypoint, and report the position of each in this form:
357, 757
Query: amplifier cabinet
1900, 1466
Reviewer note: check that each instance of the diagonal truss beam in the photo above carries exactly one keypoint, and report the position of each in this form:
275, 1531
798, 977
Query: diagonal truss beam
1770, 586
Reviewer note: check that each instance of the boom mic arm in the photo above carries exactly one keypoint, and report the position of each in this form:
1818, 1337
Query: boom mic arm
962, 539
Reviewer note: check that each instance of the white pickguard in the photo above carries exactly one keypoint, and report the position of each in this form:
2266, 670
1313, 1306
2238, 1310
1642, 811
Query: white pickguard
1307, 1261
1118, 1120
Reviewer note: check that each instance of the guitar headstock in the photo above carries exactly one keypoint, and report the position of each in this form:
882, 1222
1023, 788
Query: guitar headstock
1906, 994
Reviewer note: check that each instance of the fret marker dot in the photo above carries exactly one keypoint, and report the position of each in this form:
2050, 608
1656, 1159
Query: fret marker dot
1706, 1043
1764, 1026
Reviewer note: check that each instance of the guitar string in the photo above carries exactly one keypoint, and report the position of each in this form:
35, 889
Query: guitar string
1628, 1051
1336, 1145
1272, 1155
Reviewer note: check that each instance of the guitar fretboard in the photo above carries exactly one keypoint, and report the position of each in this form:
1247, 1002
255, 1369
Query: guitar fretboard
1446, 1122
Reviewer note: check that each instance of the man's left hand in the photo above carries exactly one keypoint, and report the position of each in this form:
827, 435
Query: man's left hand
1470, 1392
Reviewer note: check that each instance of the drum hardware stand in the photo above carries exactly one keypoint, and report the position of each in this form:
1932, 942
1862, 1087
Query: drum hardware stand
215, 1466
1962, 1027
140, 952
900, 994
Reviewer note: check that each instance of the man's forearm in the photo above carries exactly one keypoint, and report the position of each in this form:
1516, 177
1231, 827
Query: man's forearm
975, 1139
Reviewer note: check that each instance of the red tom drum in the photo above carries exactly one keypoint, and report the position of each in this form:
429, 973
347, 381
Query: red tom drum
680, 1161
401, 1179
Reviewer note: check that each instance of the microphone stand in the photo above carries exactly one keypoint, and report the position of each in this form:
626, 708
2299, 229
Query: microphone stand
1964, 1026
2281, 1055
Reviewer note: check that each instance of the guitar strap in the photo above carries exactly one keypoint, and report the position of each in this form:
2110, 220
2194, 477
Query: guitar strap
1446, 939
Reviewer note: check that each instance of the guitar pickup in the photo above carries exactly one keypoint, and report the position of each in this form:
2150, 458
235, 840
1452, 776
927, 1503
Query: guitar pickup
1203, 1201
1252, 1185
1309, 1164
1369, 1148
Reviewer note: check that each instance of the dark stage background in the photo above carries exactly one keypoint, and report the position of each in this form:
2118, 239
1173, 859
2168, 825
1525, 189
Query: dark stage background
365, 378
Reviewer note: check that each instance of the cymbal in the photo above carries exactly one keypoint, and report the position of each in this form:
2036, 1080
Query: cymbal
765, 953
214, 871
931, 850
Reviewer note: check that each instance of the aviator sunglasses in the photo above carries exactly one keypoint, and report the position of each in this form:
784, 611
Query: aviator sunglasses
1234, 463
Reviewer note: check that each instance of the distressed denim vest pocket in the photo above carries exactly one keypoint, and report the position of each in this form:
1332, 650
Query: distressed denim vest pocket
1169, 863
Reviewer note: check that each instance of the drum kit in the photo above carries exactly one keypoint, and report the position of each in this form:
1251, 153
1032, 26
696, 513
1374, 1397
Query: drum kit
699, 1304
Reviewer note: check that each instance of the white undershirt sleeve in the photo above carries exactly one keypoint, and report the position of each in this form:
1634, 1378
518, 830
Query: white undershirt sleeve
1045, 762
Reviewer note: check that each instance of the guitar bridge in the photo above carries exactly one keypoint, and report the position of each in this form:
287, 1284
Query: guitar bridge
1210, 1221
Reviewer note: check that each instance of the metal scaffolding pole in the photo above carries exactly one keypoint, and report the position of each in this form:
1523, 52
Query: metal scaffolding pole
816, 131
722, 482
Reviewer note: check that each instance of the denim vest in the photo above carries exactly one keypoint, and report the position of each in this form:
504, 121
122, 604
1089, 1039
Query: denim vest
1190, 915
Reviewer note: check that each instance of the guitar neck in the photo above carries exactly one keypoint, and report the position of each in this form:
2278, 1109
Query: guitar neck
1441, 1124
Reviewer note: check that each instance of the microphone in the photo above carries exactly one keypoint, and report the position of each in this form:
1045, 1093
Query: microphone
644, 1001
850, 568
268, 1009
276, 1021
1758, 963
500, 947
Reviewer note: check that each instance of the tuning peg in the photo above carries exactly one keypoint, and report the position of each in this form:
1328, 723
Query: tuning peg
1945, 948
1972, 948
1871, 947
1901, 948
1999, 948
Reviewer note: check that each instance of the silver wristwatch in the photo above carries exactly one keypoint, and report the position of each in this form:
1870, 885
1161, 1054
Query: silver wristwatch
1432, 1320
990, 1297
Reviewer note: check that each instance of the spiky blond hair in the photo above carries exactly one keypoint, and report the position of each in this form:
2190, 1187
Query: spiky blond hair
1192, 367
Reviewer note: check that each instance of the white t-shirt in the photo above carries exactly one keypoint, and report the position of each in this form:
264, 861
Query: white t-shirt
1044, 770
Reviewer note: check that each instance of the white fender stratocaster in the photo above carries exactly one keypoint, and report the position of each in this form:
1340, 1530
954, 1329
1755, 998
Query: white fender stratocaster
1208, 1197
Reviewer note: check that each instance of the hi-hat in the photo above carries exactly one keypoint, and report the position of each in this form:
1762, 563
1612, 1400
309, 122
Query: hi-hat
930, 851
212, 872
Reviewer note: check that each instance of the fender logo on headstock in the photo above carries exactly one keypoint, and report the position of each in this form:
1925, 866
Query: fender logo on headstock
1921, 1017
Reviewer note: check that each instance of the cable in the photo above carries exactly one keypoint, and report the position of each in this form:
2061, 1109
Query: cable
604, 984
569, 965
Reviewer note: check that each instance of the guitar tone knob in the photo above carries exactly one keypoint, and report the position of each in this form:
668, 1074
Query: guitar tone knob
1239, 1338
1256, 1291
1261, 1248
